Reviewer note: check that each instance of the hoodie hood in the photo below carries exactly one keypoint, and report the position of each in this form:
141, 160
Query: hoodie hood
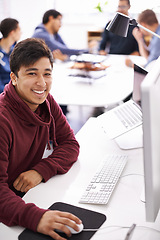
41, 117
40, 28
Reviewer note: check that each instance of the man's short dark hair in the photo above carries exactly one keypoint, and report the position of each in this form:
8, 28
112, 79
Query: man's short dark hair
27, 52
7, 25
49, 13
147, 17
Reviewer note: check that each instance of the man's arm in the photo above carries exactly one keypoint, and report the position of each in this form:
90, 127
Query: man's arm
57, 54
139, 38
103, 43
53, 44
66, 147
13, 210
27, 180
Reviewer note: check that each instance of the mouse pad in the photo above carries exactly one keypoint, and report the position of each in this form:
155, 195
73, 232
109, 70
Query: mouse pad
90, 220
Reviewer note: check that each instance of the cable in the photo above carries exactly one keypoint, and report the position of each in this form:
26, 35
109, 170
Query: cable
116, 226
96, 229
153, 229
132, 174
130, 232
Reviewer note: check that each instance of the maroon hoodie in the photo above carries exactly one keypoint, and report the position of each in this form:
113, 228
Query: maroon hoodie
23, 138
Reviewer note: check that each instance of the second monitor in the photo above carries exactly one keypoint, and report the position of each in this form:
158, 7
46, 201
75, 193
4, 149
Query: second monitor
150, 93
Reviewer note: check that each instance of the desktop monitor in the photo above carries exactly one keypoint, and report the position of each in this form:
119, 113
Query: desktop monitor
150, 96
139, 75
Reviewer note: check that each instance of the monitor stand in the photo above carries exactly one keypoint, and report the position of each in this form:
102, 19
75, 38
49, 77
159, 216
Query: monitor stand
132, 139
142, 197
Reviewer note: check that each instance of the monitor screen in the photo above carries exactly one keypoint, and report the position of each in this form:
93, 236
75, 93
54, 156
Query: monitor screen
150, 94
139, 75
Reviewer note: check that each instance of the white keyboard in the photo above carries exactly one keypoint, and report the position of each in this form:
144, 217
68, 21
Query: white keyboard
104, 180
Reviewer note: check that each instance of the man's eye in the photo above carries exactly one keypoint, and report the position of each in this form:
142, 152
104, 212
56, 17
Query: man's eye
48, 74
31, 73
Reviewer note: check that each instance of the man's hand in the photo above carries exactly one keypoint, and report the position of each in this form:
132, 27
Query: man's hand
57, 54
52, 220
137, 34
102, 52
27, 180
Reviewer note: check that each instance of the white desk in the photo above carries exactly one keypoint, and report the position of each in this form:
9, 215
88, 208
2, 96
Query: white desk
111, 89
124, 207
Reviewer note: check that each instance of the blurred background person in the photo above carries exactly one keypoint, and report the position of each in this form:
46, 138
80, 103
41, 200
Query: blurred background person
48, 31
114, 44
11, 33
117, 44
149, 20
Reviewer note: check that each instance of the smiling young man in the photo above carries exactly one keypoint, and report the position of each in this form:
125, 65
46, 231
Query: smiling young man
30, 120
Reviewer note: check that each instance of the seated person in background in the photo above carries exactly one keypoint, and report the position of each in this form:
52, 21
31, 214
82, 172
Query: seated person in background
149, 20
118, 44
31, 119
48, 31
11, 33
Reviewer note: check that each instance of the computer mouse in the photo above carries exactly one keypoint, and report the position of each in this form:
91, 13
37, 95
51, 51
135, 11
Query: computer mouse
80, 226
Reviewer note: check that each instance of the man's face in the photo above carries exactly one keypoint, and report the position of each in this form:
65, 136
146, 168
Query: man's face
144, 32
16, 34
56, 23
34, 82
123, 7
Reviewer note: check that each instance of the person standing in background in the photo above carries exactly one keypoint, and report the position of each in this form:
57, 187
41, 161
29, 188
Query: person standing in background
11, 33
117, 44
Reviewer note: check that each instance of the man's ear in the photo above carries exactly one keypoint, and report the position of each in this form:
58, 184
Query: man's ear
50, 18
13, 78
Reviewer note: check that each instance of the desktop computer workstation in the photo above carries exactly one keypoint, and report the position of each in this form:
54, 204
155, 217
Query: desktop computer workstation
150, 100
123, 208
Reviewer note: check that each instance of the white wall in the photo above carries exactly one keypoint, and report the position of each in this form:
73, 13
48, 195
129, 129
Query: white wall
28, 12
